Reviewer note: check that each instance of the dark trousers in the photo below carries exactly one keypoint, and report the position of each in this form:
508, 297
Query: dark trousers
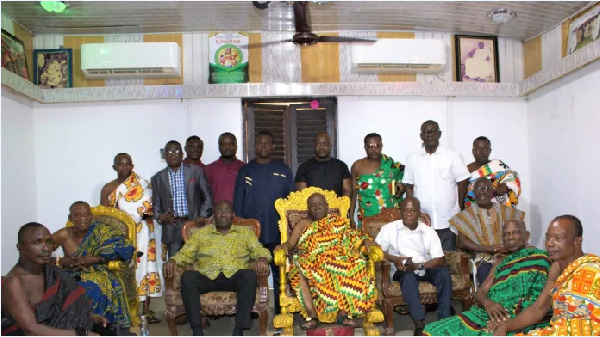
194, 284
409, 283
448, 239
275, 274
174, 241
173, 248
483, 271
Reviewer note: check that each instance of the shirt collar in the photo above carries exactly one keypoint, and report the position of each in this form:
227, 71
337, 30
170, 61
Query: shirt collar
439, 150
418, 229
176, 172
234, 228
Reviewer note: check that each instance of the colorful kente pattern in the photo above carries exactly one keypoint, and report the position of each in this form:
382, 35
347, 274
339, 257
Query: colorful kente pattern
498, 173
332, 259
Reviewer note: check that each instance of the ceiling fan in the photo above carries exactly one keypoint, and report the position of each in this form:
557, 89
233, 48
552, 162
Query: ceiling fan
304, 36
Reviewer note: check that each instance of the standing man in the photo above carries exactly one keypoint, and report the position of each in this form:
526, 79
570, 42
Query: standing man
416, 252
323, 171
258, 184
194, 147
377, 178
506, 183
437, 176
132, 194
221, 173
180, 193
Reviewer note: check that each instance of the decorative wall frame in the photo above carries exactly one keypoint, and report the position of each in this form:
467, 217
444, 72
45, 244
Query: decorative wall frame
53, 68
13, 55
477, 59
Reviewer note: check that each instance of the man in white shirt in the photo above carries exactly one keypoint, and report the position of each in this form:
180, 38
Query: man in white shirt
416, 252
437, 176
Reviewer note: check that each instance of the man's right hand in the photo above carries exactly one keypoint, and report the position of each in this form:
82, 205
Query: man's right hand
170, 268
399, 263
167, 218
497, 249
70, 262
495, 311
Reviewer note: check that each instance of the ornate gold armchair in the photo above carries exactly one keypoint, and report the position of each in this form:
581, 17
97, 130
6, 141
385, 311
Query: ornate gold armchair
216, 303
124, 271
391, 294
291, 210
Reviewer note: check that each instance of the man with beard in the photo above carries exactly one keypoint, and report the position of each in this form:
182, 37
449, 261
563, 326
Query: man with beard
180, 192
572, 289
194, 147
377, 181
323, 171
222, 172
221, 256
88, 247
506, 182
39, 298
257, 186
514, 284
132, 194
437, 176
480, 227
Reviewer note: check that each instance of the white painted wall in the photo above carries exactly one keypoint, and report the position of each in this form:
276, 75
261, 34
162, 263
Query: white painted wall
563, 122
77, 144
18, 173
399, 119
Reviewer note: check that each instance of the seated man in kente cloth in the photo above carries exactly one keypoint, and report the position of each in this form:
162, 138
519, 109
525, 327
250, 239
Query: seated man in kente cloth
514, 283
329, 272
480, 225
572, 289
88, 247
39, 298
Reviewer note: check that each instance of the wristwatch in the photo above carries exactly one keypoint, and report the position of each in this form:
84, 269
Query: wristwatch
422, 266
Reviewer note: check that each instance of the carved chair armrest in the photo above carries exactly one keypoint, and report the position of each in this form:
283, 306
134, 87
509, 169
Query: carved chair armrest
385, 275
263, 282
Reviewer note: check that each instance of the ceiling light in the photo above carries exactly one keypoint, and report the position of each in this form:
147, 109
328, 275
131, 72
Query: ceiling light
502, 15
261, 4
54, 6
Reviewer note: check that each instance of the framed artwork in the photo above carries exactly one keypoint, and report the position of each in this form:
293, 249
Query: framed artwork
13, 55
53, 68
583, 30
477, 59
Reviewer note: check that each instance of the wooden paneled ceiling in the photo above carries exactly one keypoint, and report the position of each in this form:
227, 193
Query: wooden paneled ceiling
466, 17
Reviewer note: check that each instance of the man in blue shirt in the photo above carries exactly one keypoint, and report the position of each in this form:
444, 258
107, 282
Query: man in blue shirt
258, 184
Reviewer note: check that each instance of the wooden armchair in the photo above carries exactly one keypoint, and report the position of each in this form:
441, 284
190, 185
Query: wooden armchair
291, 210
457, 262
125, 271
215, 303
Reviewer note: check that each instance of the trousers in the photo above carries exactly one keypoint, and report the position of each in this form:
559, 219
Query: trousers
409, 283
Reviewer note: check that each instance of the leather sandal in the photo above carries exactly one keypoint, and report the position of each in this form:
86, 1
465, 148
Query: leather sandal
311, 323
151, 318
340, 321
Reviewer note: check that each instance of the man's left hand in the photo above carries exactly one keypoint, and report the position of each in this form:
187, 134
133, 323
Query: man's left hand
409, 265
261, 266
400, 189
99, 320
200, 221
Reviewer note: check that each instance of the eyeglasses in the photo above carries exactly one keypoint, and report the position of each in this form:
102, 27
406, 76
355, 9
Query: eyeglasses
174, 152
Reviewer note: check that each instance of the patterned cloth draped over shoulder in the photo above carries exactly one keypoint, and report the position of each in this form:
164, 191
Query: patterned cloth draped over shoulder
498, 173
518, 281
575, 300
375, 191
64, 304
331, 257
102, 286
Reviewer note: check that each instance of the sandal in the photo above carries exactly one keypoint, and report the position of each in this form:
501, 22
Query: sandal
151, 318
311, 323
341, 319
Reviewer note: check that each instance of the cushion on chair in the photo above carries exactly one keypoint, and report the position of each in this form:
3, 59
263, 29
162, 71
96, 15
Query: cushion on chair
215, 298
459, 282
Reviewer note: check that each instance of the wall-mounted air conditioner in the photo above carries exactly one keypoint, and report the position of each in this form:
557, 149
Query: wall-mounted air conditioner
399, 56
131, 60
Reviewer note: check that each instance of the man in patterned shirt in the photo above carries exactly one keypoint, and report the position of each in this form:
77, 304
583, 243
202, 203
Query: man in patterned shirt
221, 256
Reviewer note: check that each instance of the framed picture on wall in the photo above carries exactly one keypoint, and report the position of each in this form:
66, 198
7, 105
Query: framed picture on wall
13, 55
53, 68
477, 59
584, 29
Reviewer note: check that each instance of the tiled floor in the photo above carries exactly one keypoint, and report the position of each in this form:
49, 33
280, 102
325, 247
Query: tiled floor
223, 326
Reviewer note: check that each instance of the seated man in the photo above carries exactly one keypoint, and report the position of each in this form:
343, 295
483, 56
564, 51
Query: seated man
572, 289
480, 227
88, 247
39, 298
416, 252
221, 257
329, 273
514, 283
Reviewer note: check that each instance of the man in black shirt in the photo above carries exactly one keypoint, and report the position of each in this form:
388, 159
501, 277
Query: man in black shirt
323, 171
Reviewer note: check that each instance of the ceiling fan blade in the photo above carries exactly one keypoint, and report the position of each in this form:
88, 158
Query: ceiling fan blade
301, 16
343, 39
262, 44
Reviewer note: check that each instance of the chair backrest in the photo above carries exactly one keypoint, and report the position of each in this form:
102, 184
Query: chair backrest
116, 218
371, 225
189, 228
295, 208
